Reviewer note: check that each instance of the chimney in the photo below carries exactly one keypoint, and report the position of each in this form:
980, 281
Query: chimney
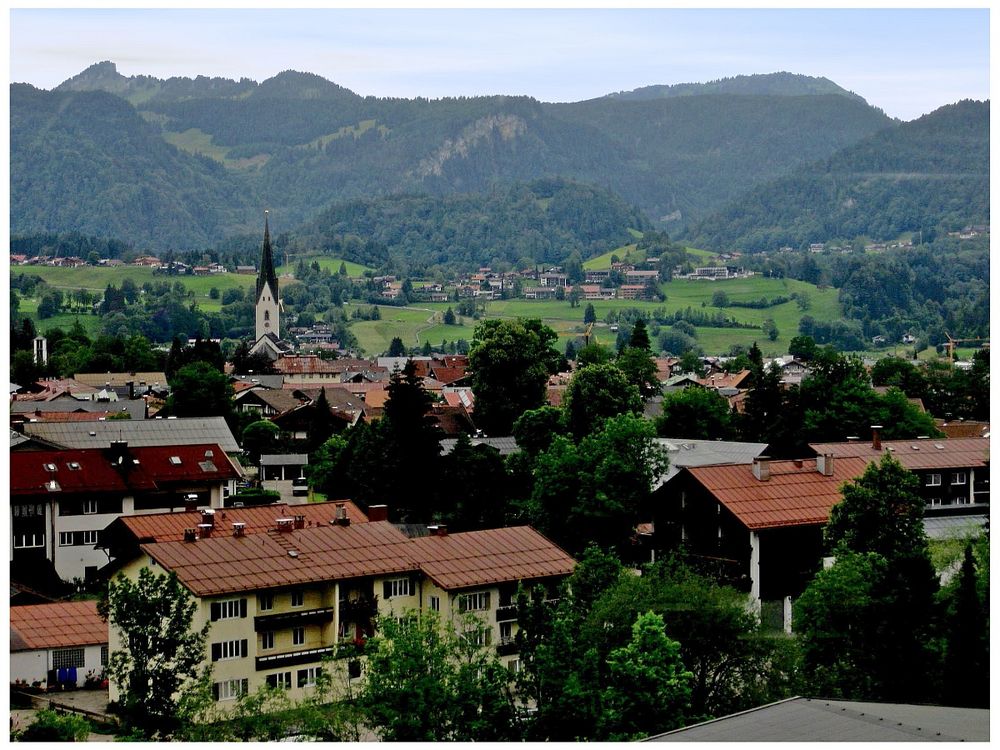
300, 522
762, 468
205, 530
378, 512
284, 524
439, 530
208, 517
824, 464
877, 437
239, 529
190, 535
340, 515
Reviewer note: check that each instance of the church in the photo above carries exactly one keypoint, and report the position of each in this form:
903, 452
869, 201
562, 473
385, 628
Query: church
268, 305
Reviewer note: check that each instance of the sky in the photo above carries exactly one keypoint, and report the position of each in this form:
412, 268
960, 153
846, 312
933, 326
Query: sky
906, 61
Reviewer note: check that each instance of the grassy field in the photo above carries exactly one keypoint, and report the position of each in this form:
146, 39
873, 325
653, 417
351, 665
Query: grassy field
91, 323
354, 270
635, 256
412, 325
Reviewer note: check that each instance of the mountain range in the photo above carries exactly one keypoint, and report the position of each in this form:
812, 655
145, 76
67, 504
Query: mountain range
185, 163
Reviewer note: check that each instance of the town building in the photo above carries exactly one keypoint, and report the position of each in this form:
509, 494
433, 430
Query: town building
57, 644
280, 603
61, 500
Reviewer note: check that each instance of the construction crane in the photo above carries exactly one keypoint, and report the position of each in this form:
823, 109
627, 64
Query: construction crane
950, 344
587, 334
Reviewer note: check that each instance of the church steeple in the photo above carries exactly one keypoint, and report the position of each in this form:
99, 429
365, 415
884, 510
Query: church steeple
268, 307
266, 275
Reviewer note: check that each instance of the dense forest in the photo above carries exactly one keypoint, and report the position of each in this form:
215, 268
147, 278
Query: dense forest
928, 173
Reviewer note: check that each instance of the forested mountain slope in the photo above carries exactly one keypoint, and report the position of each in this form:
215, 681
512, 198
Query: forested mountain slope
298, 143
933, 171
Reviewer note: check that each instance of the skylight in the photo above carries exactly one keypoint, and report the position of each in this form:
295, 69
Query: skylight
175, 460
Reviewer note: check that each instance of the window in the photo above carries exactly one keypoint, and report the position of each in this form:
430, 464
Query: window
267, 315
477, 602
265, 602
104, 656
958, 477
478, 636
65, 538
514, 665
25, 541
229, 610
937, 502
298, 636
28, 511
436, 603
228, 690
280, 680
396, 587
175, 460
506, 632
933, 480
90, 537
298, 598
267, 640
307, 677
235, 649
89, 506
67, 657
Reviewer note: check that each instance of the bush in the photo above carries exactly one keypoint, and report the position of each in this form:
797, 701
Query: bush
50, 726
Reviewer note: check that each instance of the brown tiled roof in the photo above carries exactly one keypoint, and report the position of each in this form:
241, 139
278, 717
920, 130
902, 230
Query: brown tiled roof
64, 416
99, 379
967, 429
226, 564
935, 453
554, 394
376, 399
221, 565
29, 475
453, 420
726, 380
796, 493
306, 364
169, 527
57, 625
279, 400
478, 558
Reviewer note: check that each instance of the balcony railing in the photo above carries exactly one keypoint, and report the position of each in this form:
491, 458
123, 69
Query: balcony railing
291, 658
507, 613
506, 647
293, 619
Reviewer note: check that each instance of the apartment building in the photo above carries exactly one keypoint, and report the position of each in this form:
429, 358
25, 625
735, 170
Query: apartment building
280, 603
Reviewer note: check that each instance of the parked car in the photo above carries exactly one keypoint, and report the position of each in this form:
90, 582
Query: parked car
300, 487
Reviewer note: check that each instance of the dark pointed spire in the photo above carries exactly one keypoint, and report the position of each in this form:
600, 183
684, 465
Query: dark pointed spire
266, 275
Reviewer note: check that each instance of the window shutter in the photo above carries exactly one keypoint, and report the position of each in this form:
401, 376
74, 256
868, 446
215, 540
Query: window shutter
243, 607
244, 686
243, 648
216, 611
386, 590
216, 651
215, 691
487, 600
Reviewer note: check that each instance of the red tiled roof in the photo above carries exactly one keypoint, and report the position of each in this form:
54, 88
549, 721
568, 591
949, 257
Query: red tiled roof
796, 493
169, 527
448, 374
221, 565
96, 473
477, 558
934, 453
726, 380
64, 416
57, 625
554, 394
305, 365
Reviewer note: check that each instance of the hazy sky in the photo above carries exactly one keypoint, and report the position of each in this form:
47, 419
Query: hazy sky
906, 61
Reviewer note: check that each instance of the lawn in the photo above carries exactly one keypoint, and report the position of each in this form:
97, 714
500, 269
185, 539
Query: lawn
354, 270
374, 336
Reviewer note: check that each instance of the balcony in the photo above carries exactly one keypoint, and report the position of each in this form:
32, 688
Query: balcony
507, 613
291, 658
506, 647
293, 619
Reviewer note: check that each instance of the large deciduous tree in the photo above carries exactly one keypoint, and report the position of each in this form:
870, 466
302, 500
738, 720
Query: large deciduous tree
159, 653
596, 393
509, 362
696, 413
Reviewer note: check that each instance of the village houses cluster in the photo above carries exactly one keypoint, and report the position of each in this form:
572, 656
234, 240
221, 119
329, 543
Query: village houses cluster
287, 585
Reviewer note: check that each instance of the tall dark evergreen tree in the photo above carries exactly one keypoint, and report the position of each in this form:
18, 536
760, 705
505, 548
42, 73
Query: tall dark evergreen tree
967, 643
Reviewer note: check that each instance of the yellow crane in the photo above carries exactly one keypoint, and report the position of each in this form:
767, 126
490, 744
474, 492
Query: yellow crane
587, 334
